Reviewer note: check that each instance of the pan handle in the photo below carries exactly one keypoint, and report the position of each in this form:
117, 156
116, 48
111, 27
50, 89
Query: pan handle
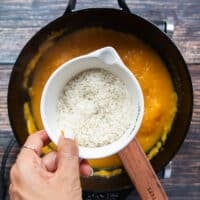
72, 4
122, 4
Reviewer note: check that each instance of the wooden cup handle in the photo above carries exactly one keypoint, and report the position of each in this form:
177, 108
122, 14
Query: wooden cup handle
141, 172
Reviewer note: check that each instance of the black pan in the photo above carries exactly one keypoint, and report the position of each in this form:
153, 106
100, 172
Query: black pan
124, 21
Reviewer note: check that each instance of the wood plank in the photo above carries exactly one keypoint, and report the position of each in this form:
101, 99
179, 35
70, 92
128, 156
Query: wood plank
5, 71
29, 13
181, 193
19, 20
195, 74
12, 41
188, 155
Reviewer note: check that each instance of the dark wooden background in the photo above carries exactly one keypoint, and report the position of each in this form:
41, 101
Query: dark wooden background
20, 19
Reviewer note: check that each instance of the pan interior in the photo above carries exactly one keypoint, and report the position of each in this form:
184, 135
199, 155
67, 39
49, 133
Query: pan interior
151, 72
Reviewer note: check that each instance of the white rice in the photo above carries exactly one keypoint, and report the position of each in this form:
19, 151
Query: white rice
96, 106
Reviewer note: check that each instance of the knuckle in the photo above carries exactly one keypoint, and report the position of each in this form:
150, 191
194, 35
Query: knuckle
31, 137
13, 172
35, 136
14, 192
69, 151
35, 141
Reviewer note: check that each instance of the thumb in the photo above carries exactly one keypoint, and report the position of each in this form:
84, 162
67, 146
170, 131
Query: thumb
68, 159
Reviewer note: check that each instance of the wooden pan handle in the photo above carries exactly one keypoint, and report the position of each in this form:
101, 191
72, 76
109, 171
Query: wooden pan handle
141, 172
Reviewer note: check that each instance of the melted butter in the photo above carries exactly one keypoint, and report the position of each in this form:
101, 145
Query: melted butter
106, 162
108, 174
29, 119
42, 48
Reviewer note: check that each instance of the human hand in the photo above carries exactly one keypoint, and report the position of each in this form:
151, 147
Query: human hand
54, 176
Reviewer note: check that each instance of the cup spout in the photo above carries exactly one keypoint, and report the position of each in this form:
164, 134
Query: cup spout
108, 55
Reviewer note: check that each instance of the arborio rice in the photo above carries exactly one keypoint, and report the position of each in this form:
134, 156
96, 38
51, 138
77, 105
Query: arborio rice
96, 106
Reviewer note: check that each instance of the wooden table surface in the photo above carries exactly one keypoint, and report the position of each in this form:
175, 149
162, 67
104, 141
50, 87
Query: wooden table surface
20, 19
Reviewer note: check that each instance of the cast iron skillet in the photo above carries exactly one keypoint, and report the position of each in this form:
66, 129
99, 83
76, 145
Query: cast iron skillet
120, 20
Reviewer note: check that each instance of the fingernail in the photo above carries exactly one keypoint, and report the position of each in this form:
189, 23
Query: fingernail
68, 133
91, 171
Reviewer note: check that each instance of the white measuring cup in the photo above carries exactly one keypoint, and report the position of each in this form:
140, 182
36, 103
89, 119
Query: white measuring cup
108, 59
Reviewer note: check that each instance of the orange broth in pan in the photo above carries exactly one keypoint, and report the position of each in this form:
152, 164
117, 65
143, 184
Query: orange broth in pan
159, 95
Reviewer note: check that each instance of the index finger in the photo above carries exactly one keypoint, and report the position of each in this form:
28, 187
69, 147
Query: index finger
36, 142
